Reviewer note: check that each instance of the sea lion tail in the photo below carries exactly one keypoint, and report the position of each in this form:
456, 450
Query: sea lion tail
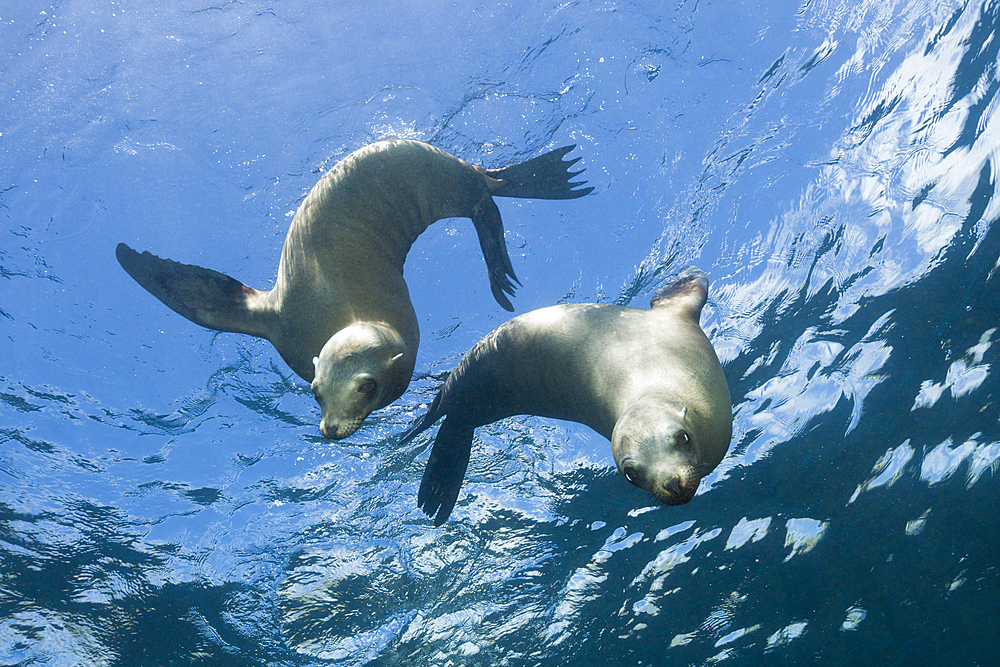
206, 297
445, 470
544, 177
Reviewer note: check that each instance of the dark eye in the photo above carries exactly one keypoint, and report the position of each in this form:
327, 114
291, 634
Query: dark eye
683, 439
367, 387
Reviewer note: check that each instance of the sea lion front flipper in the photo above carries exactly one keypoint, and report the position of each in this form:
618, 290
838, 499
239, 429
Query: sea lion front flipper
206, 297
489, 227
688, 290
445, 470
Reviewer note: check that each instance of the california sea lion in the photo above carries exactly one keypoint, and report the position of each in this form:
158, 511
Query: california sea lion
647, 380
339, 313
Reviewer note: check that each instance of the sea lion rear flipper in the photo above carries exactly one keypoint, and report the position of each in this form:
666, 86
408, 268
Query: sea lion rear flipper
445, 471
206, 297
489, 226
544, 177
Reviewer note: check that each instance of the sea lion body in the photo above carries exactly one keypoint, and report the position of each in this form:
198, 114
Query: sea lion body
339, 313
647, 380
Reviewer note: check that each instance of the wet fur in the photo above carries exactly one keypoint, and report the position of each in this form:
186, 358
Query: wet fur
587, 363
342, 260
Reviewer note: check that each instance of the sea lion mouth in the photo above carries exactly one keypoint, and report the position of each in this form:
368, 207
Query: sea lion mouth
340, 431
673, 498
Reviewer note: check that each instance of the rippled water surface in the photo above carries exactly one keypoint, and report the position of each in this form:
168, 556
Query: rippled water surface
166, 497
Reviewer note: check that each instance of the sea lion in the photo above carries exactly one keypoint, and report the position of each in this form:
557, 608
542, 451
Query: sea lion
339, 313
647, 380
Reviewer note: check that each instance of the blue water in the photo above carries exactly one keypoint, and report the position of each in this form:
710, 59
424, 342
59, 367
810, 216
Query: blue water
165, 495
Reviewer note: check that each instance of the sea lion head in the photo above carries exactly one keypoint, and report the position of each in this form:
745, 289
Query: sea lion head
360, 368
656, 446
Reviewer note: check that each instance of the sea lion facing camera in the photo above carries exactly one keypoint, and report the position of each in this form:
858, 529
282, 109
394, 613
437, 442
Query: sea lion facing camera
647, 380
339, 313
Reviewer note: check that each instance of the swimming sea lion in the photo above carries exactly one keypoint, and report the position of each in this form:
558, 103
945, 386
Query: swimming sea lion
647, 380
339, 313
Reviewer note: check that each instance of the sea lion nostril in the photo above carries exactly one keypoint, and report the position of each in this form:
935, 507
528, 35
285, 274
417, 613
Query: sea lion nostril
673, 486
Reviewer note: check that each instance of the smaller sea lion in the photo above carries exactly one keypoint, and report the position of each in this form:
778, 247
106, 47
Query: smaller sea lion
647, 380
339, 313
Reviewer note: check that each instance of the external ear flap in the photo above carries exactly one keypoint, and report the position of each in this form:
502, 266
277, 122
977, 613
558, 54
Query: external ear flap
315, 362
392, 362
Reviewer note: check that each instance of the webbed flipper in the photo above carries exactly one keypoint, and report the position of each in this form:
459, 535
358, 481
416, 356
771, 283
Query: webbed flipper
445, 470
489, 227
204, 296
544, 177
688, 290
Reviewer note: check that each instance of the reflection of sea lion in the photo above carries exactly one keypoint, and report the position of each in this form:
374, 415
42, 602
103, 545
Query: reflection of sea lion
647, 380
340, 313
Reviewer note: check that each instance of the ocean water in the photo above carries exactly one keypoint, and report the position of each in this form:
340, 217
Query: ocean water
166, 497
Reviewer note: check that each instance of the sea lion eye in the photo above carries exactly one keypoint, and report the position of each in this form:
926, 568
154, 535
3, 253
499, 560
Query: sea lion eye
367, 387
683, 439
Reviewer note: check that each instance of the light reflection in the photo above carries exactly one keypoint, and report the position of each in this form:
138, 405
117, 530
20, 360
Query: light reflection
736, 634
916, 526
671, 557
964, 375
803, 535
802, 390
682, 639
744, 531
584, 585
887, 470
941, 462
673, 530
986, 457
645, 606
786, 635
854, 617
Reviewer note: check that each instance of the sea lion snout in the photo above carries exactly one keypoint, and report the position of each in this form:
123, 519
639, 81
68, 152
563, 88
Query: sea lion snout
338, 431
675, 490
669, 487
